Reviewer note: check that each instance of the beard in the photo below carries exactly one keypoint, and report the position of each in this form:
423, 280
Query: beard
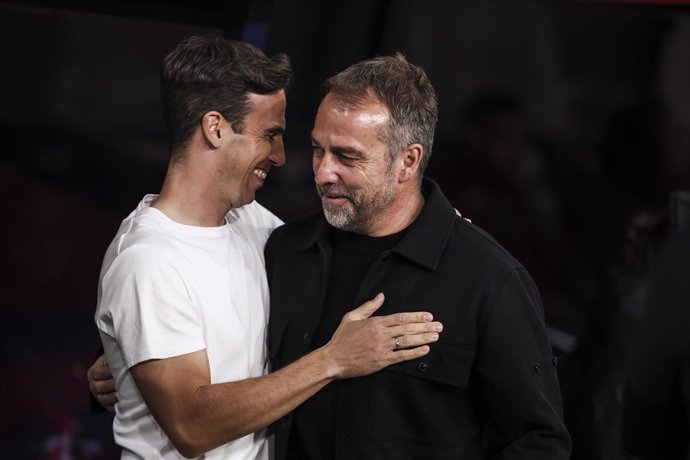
359, 210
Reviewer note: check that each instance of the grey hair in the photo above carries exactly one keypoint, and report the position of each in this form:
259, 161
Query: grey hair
407, 92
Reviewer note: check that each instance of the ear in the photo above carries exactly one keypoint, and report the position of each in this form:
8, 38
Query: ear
213, 127
410, 159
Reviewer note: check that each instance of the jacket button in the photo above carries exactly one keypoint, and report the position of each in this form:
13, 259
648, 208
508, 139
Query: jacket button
306, 335
555, 360
422, 367
347, 434
537, 368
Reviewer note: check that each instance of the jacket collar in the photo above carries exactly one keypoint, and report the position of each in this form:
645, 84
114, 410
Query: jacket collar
425, 238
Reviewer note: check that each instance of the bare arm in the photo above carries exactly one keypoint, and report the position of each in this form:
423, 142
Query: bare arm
199, 416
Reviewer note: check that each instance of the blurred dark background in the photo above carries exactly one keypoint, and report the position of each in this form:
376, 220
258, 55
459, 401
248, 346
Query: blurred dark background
564, 127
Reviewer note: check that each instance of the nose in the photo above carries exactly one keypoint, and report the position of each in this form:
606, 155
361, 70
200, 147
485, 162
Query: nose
277, 155
324, 166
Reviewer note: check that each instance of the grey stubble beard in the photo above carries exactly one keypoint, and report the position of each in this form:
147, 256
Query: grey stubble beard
358, 215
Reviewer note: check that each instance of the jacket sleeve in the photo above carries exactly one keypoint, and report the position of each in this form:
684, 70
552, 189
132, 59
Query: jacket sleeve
517, 376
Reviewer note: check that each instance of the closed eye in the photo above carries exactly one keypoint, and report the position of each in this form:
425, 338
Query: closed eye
272, 134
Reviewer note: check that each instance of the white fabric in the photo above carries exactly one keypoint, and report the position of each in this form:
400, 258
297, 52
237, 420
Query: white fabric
168, 289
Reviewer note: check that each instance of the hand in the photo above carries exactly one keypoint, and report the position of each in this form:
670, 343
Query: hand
102, 384
457, 213
363, 344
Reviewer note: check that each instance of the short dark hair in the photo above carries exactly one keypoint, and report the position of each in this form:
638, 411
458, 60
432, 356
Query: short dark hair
203, 74
404, 88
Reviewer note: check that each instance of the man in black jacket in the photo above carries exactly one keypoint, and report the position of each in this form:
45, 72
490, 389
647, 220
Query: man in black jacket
488, 388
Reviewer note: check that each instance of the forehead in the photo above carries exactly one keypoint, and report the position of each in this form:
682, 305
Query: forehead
336, 120
267, 109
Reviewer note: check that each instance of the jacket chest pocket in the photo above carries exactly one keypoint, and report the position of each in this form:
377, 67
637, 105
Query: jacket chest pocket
425, 400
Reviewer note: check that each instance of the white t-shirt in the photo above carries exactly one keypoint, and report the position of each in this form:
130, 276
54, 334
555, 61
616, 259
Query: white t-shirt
168, 289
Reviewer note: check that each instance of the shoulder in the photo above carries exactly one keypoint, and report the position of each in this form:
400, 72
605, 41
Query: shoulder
459, 240
477, 246
254, 219
145, 247
256, 214
297, 233
147, 257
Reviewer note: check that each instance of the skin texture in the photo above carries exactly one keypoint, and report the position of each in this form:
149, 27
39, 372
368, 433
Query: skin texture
260, 145
217, 172
362, 190
199, 416
102, 384
214, 174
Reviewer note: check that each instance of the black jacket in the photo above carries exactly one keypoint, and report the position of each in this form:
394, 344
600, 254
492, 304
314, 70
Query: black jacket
487, 389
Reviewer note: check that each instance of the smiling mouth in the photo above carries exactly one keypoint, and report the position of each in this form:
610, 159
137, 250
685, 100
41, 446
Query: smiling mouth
261, 174
334, 198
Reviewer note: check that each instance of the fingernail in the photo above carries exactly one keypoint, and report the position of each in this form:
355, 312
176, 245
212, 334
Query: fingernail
433, 336
428, 317
438, 327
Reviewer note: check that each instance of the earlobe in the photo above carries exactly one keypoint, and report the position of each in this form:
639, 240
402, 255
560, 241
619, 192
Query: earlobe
411, 159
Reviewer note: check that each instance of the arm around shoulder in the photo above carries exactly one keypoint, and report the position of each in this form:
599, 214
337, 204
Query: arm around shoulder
199, 416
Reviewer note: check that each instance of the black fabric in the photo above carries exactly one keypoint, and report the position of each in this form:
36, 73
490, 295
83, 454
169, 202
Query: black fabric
314, 422
487, 389
656, 420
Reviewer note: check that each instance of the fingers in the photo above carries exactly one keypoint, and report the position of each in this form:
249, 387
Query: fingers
415, 328
104, 392
408, 354
407, 341
107, 400
406, 318
415, 334
100, 373
101, 383
366, 309
99, 370
102, 386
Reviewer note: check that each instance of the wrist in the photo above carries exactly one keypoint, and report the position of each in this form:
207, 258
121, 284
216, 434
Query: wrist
326, 363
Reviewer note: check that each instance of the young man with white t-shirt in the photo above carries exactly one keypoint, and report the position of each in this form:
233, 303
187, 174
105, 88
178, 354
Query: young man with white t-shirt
183, 299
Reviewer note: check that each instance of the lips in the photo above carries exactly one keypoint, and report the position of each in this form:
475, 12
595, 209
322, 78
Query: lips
329, 192
335, 200
261, 174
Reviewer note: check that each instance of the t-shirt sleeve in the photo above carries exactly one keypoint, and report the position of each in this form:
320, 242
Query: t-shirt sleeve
147, 308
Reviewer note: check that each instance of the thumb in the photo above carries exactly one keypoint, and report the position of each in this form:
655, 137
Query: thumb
367, 308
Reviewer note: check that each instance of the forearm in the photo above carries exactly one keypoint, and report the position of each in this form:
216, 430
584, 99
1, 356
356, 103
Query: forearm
198, 416
220, 413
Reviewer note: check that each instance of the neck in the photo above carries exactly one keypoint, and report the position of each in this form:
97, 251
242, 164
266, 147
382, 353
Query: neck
190, 198
400, 215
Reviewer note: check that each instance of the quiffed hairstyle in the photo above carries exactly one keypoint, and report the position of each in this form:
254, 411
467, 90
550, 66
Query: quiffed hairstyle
404, 88
204, 74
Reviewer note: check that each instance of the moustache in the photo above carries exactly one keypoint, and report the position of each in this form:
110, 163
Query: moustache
332, 191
